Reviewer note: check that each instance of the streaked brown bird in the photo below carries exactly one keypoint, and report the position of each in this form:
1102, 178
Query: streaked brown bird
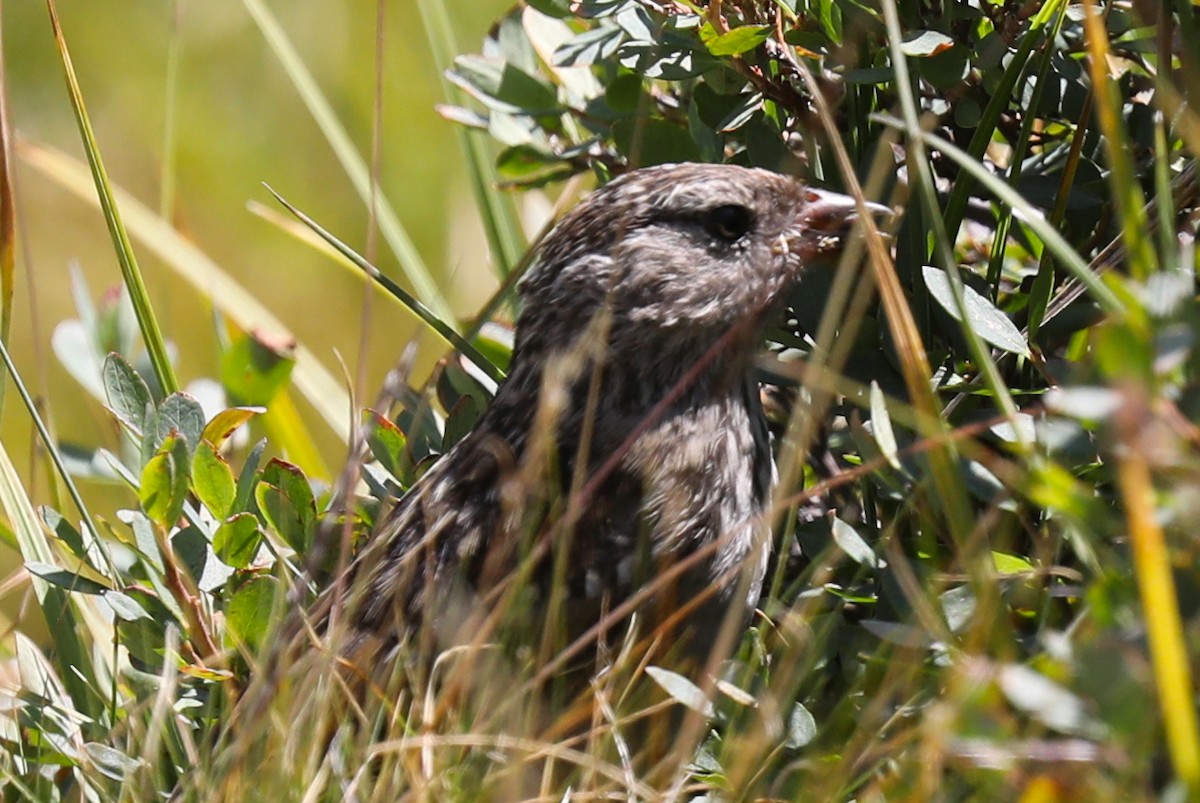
625, 462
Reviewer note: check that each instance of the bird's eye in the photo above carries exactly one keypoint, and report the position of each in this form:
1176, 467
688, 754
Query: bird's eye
729, 222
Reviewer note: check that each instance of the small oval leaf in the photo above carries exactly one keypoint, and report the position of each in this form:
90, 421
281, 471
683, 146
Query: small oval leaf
226, 422
164, 481
127, 393
853, 544
237, 540
802, 727
212, 480
988, 322
681, 690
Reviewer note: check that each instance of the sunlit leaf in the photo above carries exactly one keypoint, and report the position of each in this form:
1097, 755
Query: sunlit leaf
212, 479
127, 393
989, 322
681, 690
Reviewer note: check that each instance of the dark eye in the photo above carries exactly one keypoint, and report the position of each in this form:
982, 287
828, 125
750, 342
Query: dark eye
729, 222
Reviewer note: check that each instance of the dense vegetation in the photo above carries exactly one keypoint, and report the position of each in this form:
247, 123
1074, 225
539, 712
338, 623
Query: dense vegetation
987, 582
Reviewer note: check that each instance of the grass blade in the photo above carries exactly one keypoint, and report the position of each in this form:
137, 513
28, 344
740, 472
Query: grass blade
420, 310
943, 233
1168, 650
151, 334
70, 652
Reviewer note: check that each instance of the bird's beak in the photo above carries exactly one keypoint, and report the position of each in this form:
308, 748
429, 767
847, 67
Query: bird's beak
826, 221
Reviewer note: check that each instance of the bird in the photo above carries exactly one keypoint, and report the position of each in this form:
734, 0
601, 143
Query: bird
624, 464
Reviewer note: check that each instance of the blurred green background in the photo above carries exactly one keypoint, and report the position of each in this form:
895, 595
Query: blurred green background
238, 122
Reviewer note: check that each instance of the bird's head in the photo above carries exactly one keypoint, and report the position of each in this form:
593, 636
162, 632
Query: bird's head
679, 252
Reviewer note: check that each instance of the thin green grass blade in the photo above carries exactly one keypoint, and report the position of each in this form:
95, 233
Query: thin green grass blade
309, 377
71, 654
51, 447
151, 334
504, 233
351, 161
420, 310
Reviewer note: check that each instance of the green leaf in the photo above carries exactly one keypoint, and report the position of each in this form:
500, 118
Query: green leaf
253, 370
1008, 563
460, 421
180, 413
958, 605
734, 42
249, 476
651, 142
127, 393
501, 86
212, 480
523, 160
881, 426
71, 581
681, 690
226, 422
552, 8
124, 606
946, 69
194, 551
63, 529
75, 348
495, 343
896, 633
456, 384
854, 545
1053, 705
589, 47
989, 322
164, 481
143, 537
237, 540
145, 638
389, 446
802, 727
286, 502
750, 104
111, 762
248, 614
464, 117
